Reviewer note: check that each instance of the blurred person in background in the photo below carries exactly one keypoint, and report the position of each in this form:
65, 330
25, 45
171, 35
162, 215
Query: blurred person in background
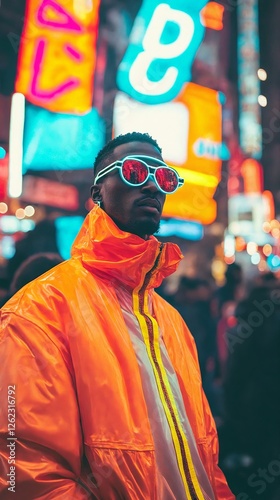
31, 268
41, 239
250, 438
231, 292
264, 278
223, 306
108, 387
193, 301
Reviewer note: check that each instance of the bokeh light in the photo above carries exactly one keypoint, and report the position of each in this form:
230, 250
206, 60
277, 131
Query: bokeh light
262, 266
267, 249
252, 247
266, 227
20, 214
275, 233
29, 211
240, 244
262, 100
255, 258
229, 260
275, 224
262, 74
3, 208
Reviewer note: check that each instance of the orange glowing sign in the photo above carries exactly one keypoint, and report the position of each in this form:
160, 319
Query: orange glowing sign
252, 174
189, 130
57, 55
269, 205
202, 167
212, 16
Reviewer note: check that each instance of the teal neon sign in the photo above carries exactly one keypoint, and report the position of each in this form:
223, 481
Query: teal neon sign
163, 44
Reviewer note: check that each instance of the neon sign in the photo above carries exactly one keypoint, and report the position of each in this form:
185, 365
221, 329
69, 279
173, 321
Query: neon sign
57, 55
249, 84
189, 129
212, 16
61, 141
164, 40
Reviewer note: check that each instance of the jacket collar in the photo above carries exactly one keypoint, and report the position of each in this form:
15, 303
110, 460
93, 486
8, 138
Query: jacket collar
119, 256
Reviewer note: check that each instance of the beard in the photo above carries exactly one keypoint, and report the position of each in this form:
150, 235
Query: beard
145, 228
142, 228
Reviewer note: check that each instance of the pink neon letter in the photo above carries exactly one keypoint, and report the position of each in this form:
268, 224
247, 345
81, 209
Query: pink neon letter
64, 22
47, 94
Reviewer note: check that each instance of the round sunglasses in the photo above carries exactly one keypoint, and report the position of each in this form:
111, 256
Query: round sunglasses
134, 171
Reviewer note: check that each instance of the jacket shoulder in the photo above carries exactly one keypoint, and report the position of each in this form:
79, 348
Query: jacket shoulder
58, 281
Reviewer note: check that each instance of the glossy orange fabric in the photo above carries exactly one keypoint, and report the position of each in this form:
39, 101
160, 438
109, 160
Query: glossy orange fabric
65, 346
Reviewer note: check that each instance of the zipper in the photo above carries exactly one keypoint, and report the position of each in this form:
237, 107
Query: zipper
150, 331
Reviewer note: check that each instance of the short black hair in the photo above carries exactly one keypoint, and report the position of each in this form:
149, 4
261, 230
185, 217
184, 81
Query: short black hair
107, 151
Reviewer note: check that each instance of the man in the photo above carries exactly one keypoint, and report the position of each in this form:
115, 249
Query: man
108, 398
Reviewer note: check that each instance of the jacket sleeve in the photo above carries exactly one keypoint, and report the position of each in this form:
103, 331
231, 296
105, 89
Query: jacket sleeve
41, 445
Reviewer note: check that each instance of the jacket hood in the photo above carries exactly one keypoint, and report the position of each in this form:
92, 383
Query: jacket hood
119, 256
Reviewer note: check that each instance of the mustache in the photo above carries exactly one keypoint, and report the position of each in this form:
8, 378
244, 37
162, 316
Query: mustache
151, 201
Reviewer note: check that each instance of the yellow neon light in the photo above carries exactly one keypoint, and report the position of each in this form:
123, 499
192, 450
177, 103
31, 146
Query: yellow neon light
199, 178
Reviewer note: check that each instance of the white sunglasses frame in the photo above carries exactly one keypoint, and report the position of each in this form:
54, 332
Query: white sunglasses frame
119, 163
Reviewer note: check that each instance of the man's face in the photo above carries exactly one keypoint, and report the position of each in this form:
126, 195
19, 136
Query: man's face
138, 209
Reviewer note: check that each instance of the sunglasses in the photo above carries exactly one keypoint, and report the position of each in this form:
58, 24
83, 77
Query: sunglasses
134, 171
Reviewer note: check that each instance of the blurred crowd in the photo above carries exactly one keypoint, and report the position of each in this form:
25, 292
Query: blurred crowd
237, 332
236, 328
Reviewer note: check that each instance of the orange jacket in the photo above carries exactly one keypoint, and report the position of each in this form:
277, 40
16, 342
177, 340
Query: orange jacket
74, 415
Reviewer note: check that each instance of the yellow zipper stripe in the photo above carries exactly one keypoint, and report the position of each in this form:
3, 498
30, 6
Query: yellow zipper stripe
174, 433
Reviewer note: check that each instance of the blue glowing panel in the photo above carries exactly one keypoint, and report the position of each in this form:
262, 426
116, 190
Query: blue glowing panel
2, 153
249, 85
187, 230
7, 247
54, 141
163, 44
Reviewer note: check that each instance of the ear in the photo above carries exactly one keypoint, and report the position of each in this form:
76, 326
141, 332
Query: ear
95, 192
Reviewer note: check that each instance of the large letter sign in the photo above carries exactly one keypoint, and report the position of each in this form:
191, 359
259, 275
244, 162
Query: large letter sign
57, 55
163, 44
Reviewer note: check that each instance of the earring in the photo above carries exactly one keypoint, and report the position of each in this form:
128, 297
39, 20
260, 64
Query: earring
98, 202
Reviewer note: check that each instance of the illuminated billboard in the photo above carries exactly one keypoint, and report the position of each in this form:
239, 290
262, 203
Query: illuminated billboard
189, 130
249, 84
162, 47
57, 55
60, 141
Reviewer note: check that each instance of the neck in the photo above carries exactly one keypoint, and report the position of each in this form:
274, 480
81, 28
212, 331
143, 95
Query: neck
130, 230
